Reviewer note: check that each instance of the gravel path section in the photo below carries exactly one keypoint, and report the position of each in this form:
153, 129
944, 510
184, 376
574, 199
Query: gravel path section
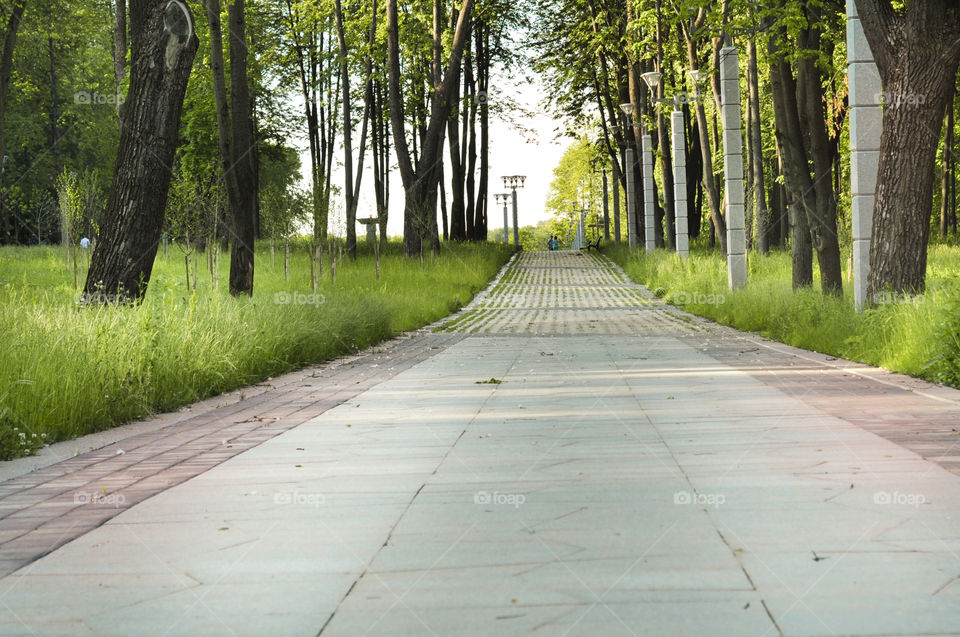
570, 293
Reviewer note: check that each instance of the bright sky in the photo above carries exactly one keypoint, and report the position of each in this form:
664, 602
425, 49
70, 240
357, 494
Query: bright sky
511, 153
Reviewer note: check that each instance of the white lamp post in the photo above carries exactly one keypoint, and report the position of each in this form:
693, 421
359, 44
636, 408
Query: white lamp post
628, 166
733, 167
866, 126
504, 198
513, 182
678, 127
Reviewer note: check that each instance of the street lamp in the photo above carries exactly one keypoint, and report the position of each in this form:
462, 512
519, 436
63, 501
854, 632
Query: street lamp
581, 236
513, 182
606, 202
504, 198
678, 133
646, 147
628, 164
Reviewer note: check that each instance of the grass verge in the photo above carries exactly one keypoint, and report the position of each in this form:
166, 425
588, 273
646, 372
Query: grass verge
917, 336
67, 370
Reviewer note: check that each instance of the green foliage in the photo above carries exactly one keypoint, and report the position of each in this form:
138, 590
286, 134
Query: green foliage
918, 336
577, 185
67, 370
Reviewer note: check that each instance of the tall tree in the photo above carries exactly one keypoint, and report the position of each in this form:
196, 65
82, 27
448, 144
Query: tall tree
163, 45
799, 106
351, 189
420, 177
120, 46
6, 67
237, 148
916, 46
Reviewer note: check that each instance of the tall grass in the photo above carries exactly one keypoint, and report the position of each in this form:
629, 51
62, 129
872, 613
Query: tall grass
917, 336
67, 370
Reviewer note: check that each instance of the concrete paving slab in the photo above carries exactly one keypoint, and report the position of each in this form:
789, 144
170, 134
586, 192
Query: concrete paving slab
569, 456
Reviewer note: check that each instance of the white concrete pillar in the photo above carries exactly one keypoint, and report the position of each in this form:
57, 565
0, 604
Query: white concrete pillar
631, 201
649, 210
516, 226
680, 183
866, 127
506, 223
733, 167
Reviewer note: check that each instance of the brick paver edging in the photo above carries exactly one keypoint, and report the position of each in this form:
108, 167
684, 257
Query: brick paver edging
44, 509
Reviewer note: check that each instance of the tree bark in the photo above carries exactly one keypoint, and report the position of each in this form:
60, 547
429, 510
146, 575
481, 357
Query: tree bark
917, 55
420, 179
244, 158
756, 147
6, 68
796, 172
708, 179
162, 55
822, 218
947, 176
120, 46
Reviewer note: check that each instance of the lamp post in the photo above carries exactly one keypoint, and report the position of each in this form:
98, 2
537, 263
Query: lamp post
513, 182
581, 236
606, 203
649, 209
733, 167
678, 127
628, 166
504, 198
866, 125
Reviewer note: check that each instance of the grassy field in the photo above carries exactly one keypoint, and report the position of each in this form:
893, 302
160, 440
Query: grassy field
918, 336
67, 370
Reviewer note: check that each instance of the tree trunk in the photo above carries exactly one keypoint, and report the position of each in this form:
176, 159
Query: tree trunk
708, 178
54, 109
822, 218
948, 169
347, 137
756, 146
6, 67
482, 32
796, 172
458, 227
244, 157
664, 141
161, 59
420, 180
916, 52
120, 47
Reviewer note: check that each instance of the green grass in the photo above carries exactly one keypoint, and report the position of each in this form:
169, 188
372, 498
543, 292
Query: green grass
919, 336
67, 370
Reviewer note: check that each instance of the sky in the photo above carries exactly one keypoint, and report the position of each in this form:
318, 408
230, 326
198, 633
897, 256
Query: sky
512, 152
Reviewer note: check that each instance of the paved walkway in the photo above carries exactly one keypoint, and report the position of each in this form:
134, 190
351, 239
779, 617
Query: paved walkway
567, 456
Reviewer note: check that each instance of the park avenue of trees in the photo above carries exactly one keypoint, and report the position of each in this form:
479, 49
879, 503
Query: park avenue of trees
179, 119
